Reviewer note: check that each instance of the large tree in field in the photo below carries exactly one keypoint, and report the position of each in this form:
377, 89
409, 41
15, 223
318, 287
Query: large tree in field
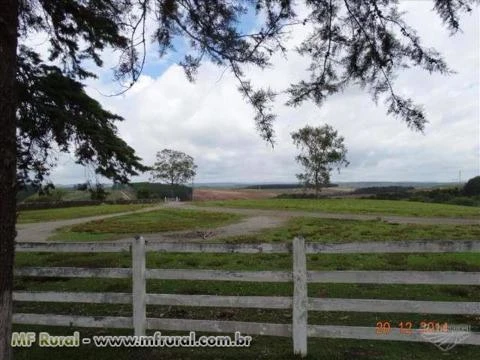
43, 105
174, 167
321, 151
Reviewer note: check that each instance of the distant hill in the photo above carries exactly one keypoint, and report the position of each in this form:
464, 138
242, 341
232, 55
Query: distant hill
219, 185
346, 184
273, 186
415, 184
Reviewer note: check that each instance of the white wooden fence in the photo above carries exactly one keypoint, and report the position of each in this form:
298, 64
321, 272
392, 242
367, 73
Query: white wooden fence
299, 303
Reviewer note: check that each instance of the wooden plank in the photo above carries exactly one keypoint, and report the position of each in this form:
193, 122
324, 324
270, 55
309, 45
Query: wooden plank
425, 246
153, 245
217, 247
250, 328
114, 273
257, 302
395, 306
354, 247
219, 275
89, 247
139, 286
300, 302
360, 277
395, 277
73, 297
114, 322
370, 333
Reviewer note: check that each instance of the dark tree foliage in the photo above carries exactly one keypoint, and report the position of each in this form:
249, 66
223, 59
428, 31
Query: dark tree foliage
361, 42
82, 187
54, 112
78, 30
98, 192
472, 187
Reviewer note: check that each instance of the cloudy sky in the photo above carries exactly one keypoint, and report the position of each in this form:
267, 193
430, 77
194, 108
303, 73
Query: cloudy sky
210, 121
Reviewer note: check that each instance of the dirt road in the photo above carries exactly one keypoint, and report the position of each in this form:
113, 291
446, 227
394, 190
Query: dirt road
41, 231
255, 220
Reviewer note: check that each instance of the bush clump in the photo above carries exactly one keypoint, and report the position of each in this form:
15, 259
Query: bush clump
472, 187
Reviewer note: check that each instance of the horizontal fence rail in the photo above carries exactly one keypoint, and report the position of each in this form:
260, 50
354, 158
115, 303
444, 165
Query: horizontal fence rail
444, 246
219, 275
347, 277
73, 297
395, 277
260, 302
112, 273
113, 322
299, 302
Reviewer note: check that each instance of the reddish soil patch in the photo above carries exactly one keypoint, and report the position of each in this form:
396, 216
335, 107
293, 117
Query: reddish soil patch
215, 194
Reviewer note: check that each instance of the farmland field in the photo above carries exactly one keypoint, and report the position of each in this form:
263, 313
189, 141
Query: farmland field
353, 206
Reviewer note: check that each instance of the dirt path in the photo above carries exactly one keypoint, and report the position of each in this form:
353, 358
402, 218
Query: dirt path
41, 231
255, 220
246, 226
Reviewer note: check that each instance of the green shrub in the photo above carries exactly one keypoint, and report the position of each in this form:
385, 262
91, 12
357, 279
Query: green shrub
466, 201
98, 193
472, 187
48, 195
159, 191
143, 193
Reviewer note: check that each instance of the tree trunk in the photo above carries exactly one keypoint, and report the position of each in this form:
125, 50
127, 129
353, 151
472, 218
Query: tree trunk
8, 62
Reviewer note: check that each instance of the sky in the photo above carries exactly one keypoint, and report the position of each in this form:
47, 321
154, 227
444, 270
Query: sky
210, 120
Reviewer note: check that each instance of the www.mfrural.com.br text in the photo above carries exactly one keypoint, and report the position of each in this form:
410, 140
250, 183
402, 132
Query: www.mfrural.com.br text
45, 339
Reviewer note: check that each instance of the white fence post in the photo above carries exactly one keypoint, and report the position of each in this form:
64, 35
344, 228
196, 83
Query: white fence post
300, 300
139, 286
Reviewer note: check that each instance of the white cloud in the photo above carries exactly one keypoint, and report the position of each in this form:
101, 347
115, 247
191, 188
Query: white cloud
210, 121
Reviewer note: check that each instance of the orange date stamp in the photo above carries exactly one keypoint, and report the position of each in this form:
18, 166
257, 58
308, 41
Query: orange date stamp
408, 327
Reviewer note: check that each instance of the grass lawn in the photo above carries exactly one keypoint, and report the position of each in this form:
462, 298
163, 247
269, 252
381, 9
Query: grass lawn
354, 206
141, 223
320, 230
334, 231
32, 216
263, 347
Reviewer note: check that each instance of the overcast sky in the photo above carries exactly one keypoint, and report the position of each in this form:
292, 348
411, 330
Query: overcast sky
210, 121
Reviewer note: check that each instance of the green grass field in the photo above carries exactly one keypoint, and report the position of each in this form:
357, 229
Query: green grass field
333, 230
269, 348
142, 223
354, 206
313, 229
31, 216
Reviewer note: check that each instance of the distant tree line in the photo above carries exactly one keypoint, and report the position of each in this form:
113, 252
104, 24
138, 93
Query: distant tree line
383, 189
468, 195
281, 186
145, 190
